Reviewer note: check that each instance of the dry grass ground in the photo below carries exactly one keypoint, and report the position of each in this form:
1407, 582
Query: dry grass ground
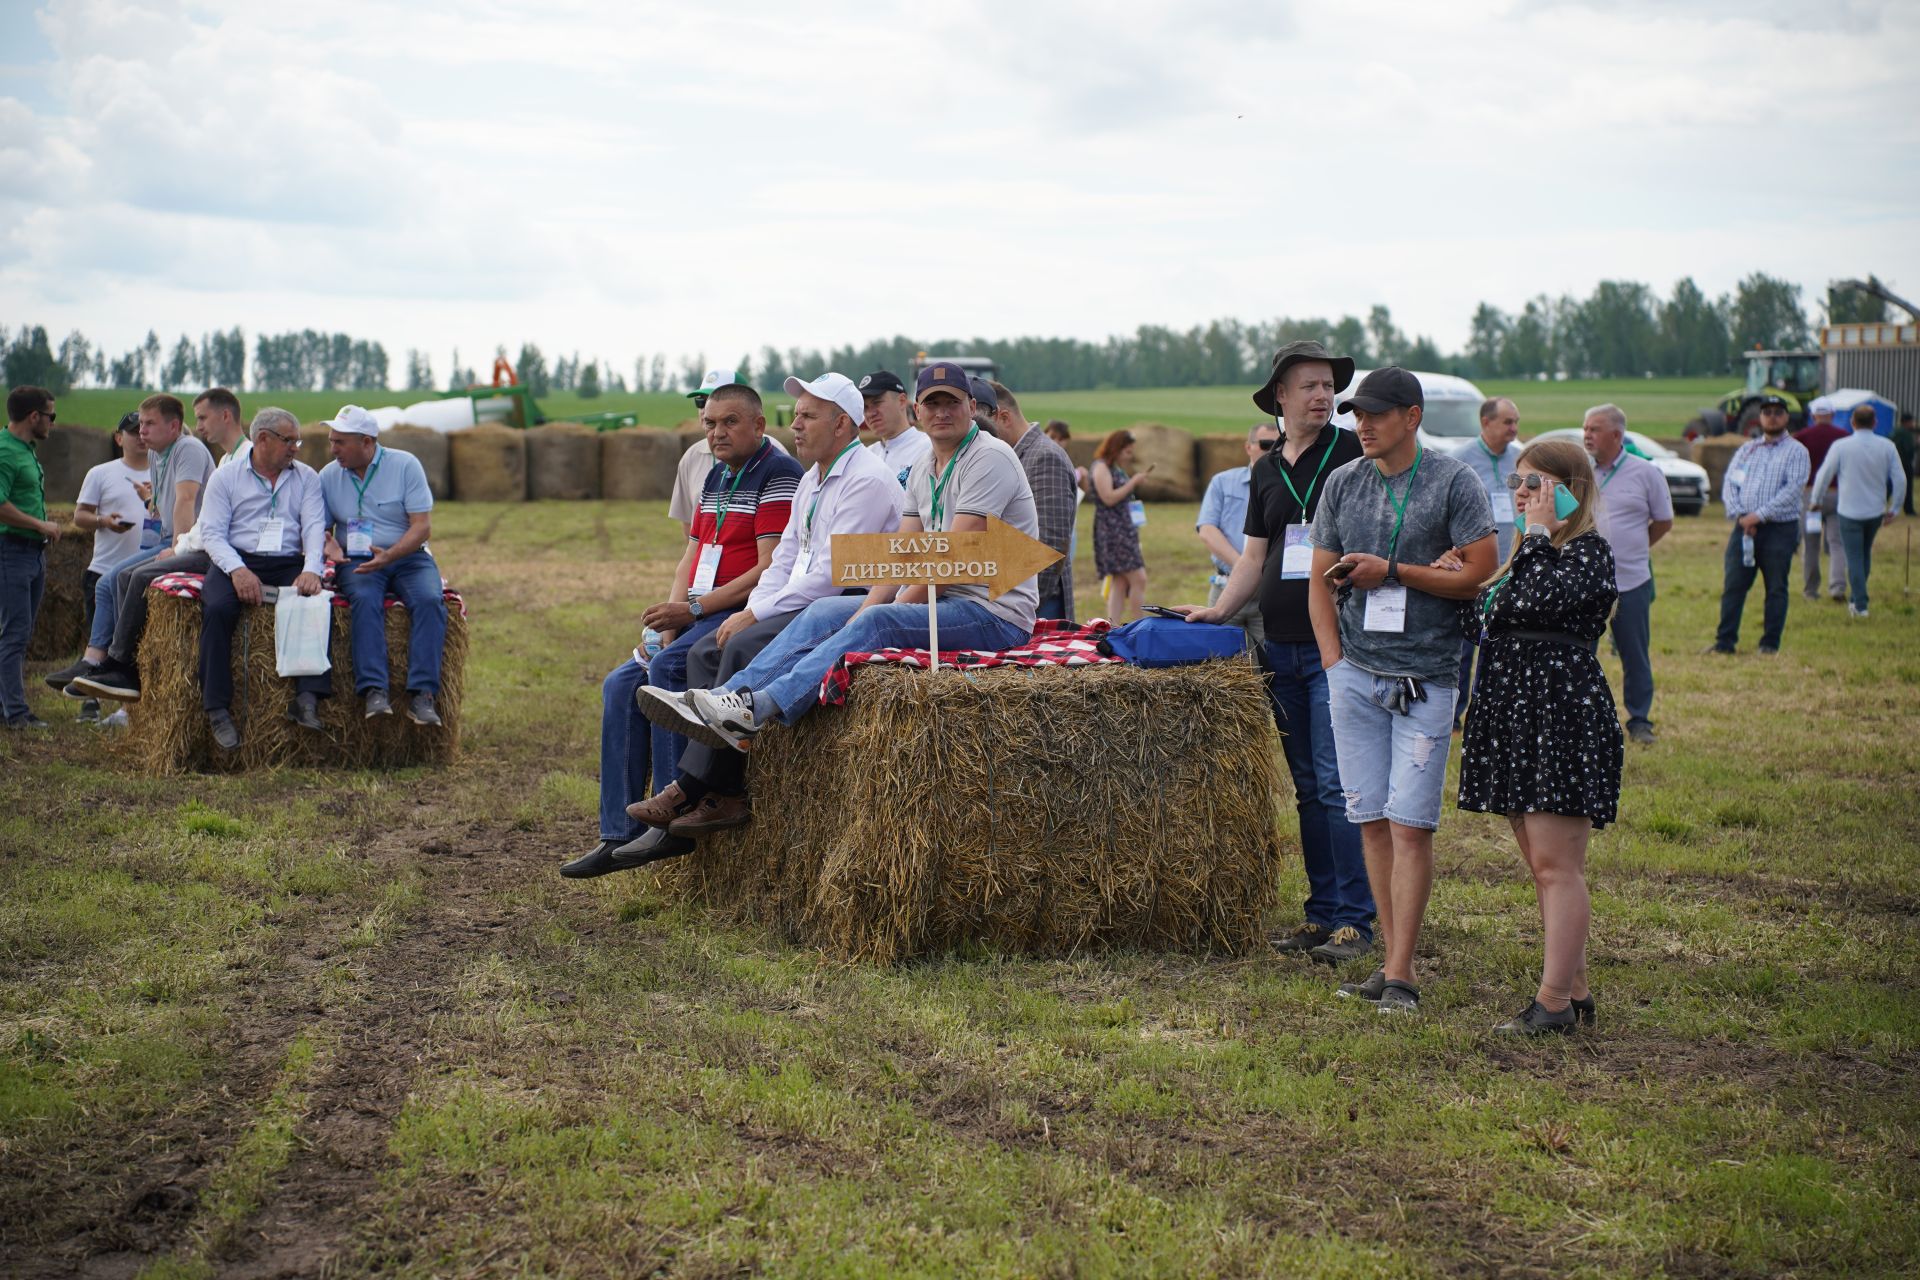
350, 1022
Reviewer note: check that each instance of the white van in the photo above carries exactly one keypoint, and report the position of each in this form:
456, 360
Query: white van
1451, 419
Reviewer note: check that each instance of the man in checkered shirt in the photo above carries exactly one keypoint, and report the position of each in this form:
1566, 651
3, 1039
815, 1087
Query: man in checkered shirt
1050, 476
1763, 493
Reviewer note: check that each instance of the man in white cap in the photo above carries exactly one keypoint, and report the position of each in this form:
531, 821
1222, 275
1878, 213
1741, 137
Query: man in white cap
379, 516
1820, 523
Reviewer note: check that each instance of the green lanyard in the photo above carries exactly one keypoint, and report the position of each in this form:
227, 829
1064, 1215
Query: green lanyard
1491, 454
1610, 470
940, 485
1486, 610
1400, 503
823, 485
360, 487
271, 486
1280, 465
727, 502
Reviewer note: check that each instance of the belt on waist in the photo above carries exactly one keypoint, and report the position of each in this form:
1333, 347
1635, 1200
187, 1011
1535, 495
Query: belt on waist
1551, 637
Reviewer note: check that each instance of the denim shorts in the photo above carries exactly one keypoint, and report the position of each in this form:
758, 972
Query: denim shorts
1391, 766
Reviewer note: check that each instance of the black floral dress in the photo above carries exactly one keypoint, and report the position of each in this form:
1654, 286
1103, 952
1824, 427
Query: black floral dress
1116, 542
1541, 735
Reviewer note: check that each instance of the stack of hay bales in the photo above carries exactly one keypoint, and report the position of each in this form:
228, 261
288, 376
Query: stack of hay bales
313, 445
1714, 453
430, 447
57, 634
638, 464
563, 462
1041, 811
489, 463
68, 453
169, 730
1214, 454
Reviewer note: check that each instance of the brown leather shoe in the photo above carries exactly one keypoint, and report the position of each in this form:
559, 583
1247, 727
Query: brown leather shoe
661, 809
715, 813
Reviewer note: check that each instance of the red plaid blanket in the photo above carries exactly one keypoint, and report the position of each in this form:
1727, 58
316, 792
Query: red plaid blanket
187, 587
1054, 644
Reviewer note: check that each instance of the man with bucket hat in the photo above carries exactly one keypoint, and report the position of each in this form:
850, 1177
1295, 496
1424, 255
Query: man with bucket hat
1287, 483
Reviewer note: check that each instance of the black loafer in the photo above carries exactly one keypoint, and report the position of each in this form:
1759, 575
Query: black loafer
1538, 1020
226, 735
596, 862
305, 711
656, 845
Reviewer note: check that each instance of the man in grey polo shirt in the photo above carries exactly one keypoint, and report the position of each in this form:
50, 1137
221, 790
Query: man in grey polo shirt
1634, 512
1390, 640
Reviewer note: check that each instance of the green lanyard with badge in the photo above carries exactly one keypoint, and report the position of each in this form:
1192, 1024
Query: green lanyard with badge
1387, 603
1296, 548
273, 528
813, 508
935, 508
707, 568
360, 528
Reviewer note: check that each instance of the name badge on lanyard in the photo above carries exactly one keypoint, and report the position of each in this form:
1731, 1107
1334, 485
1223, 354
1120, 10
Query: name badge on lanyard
150, 532
1503, 507
1387, 608
705, 569
1296, 554
359, 537
806, 553
270, 536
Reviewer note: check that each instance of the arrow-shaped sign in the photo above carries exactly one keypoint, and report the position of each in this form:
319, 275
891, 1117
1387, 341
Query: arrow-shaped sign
999, 555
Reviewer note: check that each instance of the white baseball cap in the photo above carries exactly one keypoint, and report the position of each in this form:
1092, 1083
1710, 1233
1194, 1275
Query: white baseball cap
1821, 404
354, 421
837, 387
713, 381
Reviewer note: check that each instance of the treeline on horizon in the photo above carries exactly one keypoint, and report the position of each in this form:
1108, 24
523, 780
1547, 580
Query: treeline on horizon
1622, 329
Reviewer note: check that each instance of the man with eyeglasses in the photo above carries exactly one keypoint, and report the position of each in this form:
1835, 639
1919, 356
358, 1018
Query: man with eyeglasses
1222, 526
265, 526
25, 532
379, 517
1285, 485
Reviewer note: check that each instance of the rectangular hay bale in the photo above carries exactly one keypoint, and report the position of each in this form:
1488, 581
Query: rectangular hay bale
169, 729
1038, 811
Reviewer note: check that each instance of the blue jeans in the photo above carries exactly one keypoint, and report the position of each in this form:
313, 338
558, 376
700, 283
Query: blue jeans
100, 632
1391, 766
1774, 543
626, 760
791, 668
1337, 889
23, 575
1633, 637
668, 672
1857, 537
415, 581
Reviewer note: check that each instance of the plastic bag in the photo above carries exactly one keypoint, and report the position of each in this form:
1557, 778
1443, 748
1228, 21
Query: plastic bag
302, 632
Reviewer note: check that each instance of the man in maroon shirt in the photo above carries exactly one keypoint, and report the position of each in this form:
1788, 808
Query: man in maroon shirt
1820, 523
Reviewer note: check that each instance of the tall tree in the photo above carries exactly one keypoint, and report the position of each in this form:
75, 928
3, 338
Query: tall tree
76, 357
30, 361
1693, 331
181, 366
1767, 315
1528, 349
1487, 334
589, 383
1856, 306
1389, 344
531, 367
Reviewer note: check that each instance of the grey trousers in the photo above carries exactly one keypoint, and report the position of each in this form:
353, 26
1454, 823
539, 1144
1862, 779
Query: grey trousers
708, 664
1829, 535
130, 599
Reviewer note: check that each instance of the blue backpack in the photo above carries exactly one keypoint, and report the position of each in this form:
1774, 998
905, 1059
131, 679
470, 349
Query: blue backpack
1164, 642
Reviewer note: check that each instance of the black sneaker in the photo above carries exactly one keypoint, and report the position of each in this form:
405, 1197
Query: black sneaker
117, 680
59, 680
1398, 997
595, 862
1347, 943
28, 721
1585, 1012
1305, 938
89, 711
1368, 990
1538, 1020
226, 735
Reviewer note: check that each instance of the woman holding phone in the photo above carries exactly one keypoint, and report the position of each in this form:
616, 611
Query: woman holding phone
1542, 742
1117, 517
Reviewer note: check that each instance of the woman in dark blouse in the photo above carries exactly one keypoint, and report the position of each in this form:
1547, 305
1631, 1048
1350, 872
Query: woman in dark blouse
1542, 742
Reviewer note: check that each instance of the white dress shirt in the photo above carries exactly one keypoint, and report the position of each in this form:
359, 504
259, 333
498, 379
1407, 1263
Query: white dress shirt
238, 502
901, 452
859, 495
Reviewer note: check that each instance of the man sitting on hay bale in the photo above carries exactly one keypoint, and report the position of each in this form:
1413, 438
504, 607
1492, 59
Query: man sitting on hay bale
264, 526
968, 476
379, 516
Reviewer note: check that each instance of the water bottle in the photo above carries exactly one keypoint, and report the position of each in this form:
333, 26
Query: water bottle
1746, 550
650, 640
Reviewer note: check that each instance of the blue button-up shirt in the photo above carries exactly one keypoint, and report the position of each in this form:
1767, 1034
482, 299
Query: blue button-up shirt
238, 502
1766, 480
396, 489
1225, 508
1493, 472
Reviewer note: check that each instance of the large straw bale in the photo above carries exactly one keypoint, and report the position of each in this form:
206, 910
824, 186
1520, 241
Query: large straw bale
1714, 453
1171, 453
638, 464
1080, 449
489, 463
430, 447
1214, 454
1039, 811
57, 632
689, 434
563, 462
68, 453
169, 730
313, 445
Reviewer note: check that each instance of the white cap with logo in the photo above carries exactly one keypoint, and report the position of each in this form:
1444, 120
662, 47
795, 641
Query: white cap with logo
713, 381
354, 421
837, 387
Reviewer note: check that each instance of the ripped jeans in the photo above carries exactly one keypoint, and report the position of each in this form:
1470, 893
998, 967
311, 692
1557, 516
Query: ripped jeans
1391, 766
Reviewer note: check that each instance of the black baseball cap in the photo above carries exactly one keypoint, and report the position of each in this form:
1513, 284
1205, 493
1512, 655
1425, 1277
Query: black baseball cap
983, 394
1768, 401
1384, 389
880, 381
129, 423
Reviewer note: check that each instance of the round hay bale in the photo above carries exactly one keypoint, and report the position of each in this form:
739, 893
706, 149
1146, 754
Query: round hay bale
1714, 453
56, 628
637, 464
313, 445
1080, 449
68, 453
687, 433
430, 447
1214, 454
563, 462
1171, 453
489, 464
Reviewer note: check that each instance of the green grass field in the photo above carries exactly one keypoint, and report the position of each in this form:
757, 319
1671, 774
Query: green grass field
353, 1023
1659, 406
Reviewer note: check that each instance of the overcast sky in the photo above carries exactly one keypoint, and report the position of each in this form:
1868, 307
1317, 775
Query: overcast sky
625, 178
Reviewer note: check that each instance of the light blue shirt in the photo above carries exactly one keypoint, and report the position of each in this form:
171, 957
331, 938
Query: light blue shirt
396, 488
1872, 481
1225, 508
1493, 473
238, 502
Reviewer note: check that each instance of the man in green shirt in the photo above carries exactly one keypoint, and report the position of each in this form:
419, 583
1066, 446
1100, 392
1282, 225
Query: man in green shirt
25, 532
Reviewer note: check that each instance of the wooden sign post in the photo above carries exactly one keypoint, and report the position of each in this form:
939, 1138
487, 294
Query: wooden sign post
999, 556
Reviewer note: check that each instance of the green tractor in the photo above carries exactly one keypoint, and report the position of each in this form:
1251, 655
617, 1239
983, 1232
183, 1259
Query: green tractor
1792, 375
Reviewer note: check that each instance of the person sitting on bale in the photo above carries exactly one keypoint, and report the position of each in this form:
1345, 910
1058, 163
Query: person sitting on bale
245, 522
846, 489
379, 516
743, 510
968, 476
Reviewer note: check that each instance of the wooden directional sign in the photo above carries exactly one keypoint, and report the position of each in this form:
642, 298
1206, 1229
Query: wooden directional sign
1000, 556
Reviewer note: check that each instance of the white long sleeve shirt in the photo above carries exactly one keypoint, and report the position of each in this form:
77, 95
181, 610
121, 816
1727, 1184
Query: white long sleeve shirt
858, 495
1872, 481
239, 502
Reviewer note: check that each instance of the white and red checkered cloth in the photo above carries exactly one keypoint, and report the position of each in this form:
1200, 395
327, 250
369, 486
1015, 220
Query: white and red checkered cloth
1053, 644
187, 586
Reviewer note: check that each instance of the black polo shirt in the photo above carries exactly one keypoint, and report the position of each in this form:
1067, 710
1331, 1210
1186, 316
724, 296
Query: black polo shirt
1271, 507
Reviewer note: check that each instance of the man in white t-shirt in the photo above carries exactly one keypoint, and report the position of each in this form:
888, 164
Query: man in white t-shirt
899, 443
113, 505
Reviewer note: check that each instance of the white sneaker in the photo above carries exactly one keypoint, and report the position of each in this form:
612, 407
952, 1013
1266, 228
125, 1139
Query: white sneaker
1855, 613
726, 719
668, 710
118, 720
